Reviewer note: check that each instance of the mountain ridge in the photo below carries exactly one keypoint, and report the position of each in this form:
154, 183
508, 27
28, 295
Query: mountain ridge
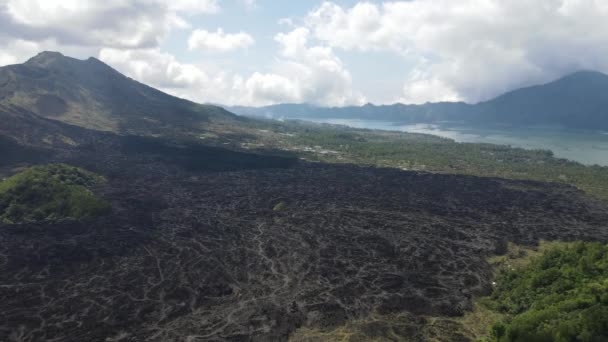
577, 100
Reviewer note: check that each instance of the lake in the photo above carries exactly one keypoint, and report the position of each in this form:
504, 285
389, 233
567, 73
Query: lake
587, 147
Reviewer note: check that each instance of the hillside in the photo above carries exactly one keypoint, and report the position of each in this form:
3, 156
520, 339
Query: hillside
90, 94
578, 101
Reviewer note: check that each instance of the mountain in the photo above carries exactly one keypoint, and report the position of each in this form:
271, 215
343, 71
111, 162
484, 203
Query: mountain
579, 100
90, 94
397, 112
28, 129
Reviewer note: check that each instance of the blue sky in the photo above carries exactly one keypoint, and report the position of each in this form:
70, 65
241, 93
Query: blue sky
331, 53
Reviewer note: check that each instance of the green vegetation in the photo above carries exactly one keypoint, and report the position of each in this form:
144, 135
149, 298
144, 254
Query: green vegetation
409, 151
49, 193
281, 206
434, 154
561, 295
555, 292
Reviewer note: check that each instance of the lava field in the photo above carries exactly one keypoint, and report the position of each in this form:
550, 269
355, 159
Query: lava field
251, 253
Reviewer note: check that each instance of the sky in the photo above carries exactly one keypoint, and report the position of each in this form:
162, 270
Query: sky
328, 53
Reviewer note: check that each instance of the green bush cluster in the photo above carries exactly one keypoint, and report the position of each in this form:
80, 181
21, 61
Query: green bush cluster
560, 296
50, 193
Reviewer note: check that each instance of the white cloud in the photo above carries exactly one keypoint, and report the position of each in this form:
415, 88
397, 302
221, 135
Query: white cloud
303, 74
219, 40
203, 84
17, 51
163, 71
472, 49
154, 67
109, 23
194, 6
361, 27
271, 88
421, 89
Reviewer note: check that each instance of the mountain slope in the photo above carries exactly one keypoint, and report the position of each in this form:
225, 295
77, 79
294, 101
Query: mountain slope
579, 100
28, 129
91, 94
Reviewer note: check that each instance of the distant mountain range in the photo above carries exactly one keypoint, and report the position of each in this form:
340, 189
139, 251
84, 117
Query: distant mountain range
90, 94
579, 100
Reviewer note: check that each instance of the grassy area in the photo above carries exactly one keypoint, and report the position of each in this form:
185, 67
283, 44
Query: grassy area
409, 151
50, 193
385, 328
429, 153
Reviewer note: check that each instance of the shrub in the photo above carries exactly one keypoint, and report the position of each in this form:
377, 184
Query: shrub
560, 296
48, 193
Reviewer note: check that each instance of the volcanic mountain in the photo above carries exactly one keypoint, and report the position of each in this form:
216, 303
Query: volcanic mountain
90, 94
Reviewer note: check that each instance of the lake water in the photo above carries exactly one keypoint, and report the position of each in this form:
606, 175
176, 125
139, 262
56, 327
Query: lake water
587, 147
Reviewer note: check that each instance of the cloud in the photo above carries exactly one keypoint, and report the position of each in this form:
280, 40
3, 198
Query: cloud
17, 51
163, 71
361, 27
421, 89
152, 66
110, 23
472, 49
271, 88
303, 73
219, 40
194, 6
451, 50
